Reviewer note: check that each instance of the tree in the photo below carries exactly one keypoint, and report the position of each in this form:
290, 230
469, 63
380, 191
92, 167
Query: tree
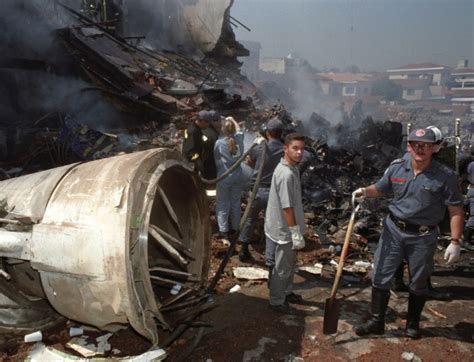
388, 89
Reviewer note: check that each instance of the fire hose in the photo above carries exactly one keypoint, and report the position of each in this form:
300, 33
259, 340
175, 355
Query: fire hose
180, 329
231, 169
234, 236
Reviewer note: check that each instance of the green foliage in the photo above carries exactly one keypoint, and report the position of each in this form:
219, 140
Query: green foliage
388, 89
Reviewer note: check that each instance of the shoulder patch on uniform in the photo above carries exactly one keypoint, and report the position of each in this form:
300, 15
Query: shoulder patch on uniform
398, 160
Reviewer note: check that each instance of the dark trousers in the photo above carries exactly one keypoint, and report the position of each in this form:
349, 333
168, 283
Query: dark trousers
259, 203
394, 246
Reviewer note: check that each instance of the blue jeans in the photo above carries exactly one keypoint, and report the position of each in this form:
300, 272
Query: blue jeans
228, 197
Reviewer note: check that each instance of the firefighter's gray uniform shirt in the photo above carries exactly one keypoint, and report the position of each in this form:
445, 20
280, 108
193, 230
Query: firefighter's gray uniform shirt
419, 200
284, 193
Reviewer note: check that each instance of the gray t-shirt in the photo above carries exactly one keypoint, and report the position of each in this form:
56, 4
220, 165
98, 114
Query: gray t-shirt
285, 192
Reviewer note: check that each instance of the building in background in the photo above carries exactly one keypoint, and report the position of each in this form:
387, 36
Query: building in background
461, 85
251, 63
345, 84
420, 81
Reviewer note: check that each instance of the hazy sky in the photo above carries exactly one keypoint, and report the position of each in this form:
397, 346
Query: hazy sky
373, 34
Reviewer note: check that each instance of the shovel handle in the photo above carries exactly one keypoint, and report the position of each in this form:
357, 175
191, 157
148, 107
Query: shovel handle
345, 247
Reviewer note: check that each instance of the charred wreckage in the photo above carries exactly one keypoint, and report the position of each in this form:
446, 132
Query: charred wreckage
103, 242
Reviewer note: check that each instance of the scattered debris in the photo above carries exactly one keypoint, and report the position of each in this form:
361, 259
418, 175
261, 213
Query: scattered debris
435, 312
86, 349
83, 347
410, 356
33, 337
317, 269
250, 273
40, 352
76, 331
235, 288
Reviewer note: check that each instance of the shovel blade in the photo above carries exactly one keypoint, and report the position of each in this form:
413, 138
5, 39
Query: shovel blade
331, 315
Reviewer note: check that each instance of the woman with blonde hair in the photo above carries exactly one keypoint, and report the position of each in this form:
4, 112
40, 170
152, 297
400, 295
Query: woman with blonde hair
227, 151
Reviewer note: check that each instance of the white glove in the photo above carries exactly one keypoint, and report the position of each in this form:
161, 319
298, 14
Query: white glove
359, 194
258, 140
452, 253
297, 238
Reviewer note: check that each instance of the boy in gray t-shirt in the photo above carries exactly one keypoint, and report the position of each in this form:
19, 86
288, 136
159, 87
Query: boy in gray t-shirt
284, 222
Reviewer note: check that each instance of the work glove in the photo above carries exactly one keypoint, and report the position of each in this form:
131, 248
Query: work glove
452, 253
359, 194
258, 140
297, 238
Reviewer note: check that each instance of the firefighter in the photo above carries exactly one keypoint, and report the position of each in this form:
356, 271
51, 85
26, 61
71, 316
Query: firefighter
468, 231
274, 153
422, 189
398, 283
198, 147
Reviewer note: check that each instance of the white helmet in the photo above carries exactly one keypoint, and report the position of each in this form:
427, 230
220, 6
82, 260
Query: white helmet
437, 132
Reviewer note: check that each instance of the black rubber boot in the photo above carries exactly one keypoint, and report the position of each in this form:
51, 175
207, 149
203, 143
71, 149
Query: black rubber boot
244, 252
435, 294
415, 306
376, 324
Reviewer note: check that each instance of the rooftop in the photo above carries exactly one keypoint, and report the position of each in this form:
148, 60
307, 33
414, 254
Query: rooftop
346, 77
459, 71
418, 66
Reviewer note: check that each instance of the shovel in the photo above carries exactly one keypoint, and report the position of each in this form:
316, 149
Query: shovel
332, 306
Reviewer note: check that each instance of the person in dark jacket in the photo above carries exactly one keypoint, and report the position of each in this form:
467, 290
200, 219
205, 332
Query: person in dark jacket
199, 141
469, 229
274, 152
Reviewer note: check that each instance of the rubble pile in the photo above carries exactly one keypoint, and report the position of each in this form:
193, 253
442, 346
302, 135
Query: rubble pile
334, 172
154, 92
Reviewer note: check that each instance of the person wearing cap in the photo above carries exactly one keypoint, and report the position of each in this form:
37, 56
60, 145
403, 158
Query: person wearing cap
469, 229
398, 284
422, 189
273, 154
198, 145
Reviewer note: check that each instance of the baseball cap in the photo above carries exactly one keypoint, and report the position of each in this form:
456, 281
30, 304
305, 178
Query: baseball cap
209, 115
422, 135
274, 123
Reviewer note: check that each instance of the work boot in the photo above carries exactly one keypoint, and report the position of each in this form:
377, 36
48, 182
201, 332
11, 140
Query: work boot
376, 324
415, 306
435, 294
244, 254
224, 237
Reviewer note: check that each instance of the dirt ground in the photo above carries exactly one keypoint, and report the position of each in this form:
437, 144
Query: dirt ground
243, 328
